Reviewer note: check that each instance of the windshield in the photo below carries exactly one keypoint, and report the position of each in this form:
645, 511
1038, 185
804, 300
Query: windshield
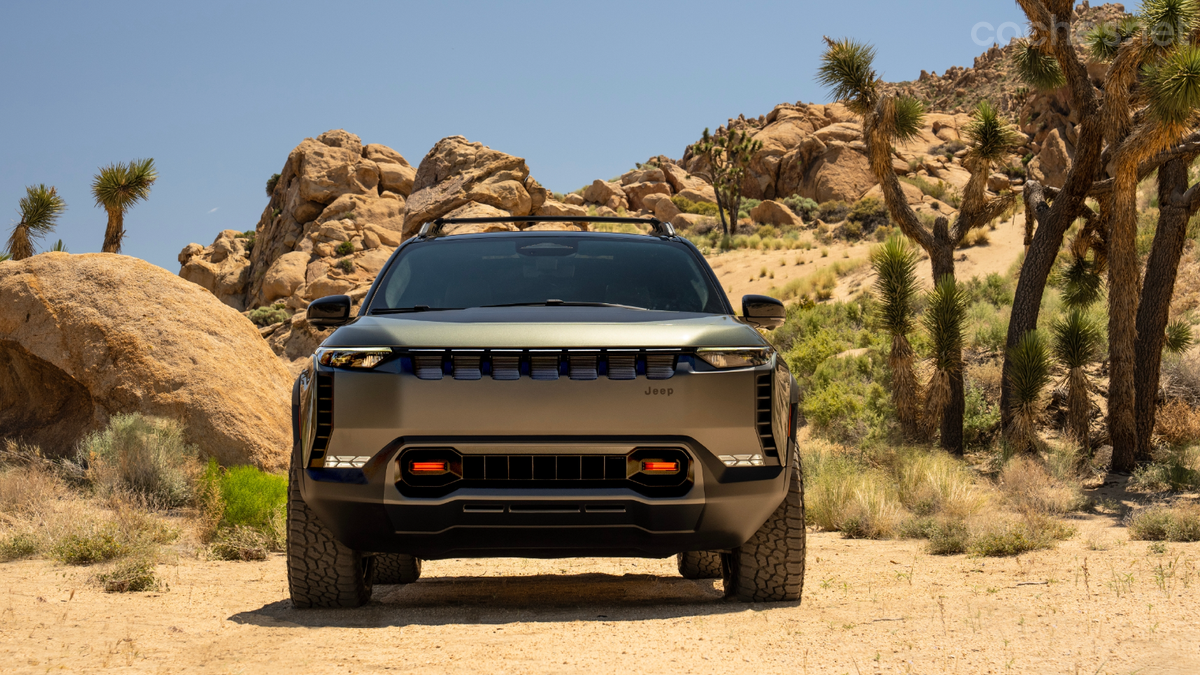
457, 273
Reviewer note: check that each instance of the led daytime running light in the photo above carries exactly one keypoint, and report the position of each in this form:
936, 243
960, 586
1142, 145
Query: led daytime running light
362, 358
737, 357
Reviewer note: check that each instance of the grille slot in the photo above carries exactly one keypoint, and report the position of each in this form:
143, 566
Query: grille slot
506, 365
660, 366
584, 365
543, 366
428, 365
324, 405
762, 393
466, 366
622, 365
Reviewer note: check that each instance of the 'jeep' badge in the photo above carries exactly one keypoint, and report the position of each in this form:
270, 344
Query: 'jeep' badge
651, 391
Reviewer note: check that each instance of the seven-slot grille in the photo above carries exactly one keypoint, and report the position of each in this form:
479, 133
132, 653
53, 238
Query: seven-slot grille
763, 407
324, 418
544, 364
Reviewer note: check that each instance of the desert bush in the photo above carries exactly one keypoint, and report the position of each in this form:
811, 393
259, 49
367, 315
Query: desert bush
1181, 377
1174, 468
948, 536
345, 248
868, 214
1014, 537
981, 417
271, 183
17, 545
346, 265
1177, 423
131, 576
1029, 488
89, 546
940, 190
28, 489
699, 208
1014, 171
241, 543
247, 497
143, 456
933, 482
987, 325
834, 212
1165, 523
949, 148
802, 206
977, 237
267, 316
993, 289
746, 207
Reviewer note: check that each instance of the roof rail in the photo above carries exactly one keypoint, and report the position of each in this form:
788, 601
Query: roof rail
659, 228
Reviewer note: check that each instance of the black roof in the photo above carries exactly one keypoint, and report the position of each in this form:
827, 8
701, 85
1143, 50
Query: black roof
433, 229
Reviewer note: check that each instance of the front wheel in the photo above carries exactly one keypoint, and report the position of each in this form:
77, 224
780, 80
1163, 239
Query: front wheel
396, 568
699, 564
770, 566
322, 572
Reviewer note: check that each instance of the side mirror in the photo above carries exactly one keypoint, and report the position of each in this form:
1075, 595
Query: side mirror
331, 310
762, 311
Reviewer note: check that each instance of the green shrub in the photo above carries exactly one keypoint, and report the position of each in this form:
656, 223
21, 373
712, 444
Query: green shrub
834, 212
981, 419
141, 455
698, 208
1164, 523
1015, 171
949, 537
802, 206
240, 543
271, 183
17, 545
346, 265
994, 289
131, 576
86, 547
345, 248
746, 207
868, 214
267, 316
249, 498
1017, 537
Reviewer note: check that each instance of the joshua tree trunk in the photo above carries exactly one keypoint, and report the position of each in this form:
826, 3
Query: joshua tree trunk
1122, 308
941, 258
115, 231
1177, 204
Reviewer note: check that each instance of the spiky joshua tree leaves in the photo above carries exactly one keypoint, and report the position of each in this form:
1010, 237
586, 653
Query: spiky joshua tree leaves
895, 264
847, 71
40, 208
728, 154
1030, 375
117, 188
943, 321
1077, 342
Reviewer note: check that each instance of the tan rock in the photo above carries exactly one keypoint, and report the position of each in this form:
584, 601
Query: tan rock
706, 195
845, 132
474, 210
644, 175
557, 227
771, 212
666, 211
1054, 161
680, 179
340, 138
83, 341
636, 192
841, 174
363, 210
397, 178
573, 199
688, 220
327, 172
999, 182
456, 172
382, 154
285, 276
295, 342
222, 268
327, 285
604, 192
553, 208
912, 194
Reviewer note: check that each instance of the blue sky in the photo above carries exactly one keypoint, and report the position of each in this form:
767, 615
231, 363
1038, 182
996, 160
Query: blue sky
219, 92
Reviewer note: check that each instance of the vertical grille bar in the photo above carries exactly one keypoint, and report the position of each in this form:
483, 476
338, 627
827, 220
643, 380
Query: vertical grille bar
544, 365
660, 366
762, 393
584, 365
428, 364
324, 405
506, 365
467, 365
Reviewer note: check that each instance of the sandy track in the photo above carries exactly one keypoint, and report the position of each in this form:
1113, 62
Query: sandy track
869, 607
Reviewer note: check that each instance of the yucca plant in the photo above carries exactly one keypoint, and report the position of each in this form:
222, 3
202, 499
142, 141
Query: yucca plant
5, 256
895, 264
1179, 337
1029, 376
1077, 341
59, 247
117, 188
40, 208
943, 320
1035, 67
1080, 283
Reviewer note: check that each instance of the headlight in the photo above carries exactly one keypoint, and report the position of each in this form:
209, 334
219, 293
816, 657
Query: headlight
363, 358
739, 357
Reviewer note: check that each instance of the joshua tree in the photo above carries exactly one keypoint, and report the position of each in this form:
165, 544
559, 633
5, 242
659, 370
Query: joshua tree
728, 155
895, 264
1077, 341
847, 70
1030, 375
40, 208
943, 319
118, 187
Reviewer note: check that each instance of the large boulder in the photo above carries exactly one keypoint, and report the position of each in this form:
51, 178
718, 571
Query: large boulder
604, 193
221, 269
457, 173
1054, 162
771, 212
85, 337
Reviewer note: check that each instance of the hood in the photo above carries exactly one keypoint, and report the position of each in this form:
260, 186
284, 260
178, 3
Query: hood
546, 327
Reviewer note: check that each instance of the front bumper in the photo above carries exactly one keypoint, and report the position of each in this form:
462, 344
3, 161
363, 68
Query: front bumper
722, 509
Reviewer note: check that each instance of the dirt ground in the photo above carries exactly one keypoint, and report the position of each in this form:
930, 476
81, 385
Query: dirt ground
868, 607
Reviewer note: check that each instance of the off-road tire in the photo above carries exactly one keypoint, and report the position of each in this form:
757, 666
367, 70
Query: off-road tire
322, 573
396, 568
770, 566
699, 564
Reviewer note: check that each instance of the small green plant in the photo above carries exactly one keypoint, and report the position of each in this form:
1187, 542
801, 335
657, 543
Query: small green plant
949, 537
268, 316
18, 545
895, 264
804, 207
245, 497
271, 183
698, 208
1179, 337
834, 212
86, 547
346, 265
1165, 523
240, 543
131, 576
943, 322
867, 215
345, 248
1030, 363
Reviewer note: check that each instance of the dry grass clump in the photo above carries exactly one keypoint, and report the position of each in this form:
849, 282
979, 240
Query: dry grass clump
1014, 536
1030, 489
1165, 523
1178, 423
842, 495
1173, 469
1180, 378
131, 576
935, 482
240, 543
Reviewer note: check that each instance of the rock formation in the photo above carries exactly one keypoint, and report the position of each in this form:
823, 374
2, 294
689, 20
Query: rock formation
89, 336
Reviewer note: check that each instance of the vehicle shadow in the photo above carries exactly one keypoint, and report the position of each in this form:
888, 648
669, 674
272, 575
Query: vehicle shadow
496, 600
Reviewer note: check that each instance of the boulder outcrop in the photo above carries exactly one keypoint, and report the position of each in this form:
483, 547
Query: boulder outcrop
89, 336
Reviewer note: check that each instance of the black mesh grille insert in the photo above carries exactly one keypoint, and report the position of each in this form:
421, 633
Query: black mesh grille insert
324, 416
762, 410
467, 366
622, 365
544, 364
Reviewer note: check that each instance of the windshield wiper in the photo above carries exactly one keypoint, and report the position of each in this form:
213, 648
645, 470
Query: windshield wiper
418, 308
562, 303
